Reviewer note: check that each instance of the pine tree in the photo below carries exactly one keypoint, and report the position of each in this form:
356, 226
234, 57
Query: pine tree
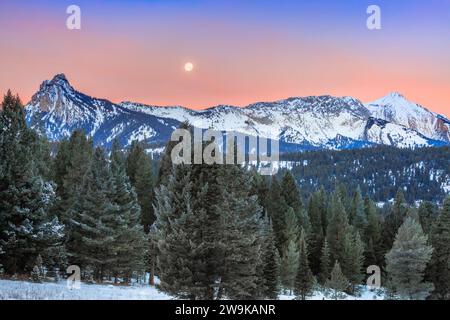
70, 165
316, 214
372, 234
241, 227
289, 256
427, 216
357, 215
27, 228
270, 272
277, 209
261, 188
94, 220
139, 170
304, 280
130, 242
289, 266
394, 220
338, 229
325, 263
439, 269
291, 193
355, 262
291, 230
38, 272
208, 233
407, 260
337, 283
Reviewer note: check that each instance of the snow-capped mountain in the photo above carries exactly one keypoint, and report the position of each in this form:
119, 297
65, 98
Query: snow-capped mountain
396, 109
298, 123
57, 109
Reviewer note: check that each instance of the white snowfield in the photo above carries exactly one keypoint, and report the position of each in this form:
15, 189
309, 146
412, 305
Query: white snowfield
22, 290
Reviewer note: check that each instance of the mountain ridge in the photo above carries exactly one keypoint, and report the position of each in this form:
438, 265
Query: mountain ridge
313, 122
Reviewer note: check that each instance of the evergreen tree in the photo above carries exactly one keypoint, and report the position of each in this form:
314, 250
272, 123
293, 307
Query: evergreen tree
208, 233
289, 266
394, 220
372, 234
439, 269
241, 227
291, 230
38, 272
261, 188
130, 242
305, 280
337, 283
355, 262
357, 215
277, 209
71, 163
338, 229
139, 170
407, 260
325, 263
270, 261
427, 216
94, 220
291, 193
26, 227
317, 220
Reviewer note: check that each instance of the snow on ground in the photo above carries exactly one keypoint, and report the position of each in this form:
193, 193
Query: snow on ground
21, 290
365, 294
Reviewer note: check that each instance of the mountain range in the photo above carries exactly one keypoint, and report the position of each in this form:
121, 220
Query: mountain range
299, 123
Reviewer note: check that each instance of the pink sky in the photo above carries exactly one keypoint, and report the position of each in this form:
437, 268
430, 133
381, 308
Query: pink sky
236, 63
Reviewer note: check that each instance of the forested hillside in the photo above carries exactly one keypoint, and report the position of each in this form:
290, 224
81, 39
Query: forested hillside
423, 174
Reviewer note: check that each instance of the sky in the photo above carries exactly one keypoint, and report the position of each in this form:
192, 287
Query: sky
242, 51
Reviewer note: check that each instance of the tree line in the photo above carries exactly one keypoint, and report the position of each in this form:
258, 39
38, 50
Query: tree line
380, 171
207, 231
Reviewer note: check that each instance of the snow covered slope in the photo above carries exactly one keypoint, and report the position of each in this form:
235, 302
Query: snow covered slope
57, 109
396, 109
316, 122
310, 122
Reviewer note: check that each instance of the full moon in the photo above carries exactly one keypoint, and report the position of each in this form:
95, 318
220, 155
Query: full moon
188, 67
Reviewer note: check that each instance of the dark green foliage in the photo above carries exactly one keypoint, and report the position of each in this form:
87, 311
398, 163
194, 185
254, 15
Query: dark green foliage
94, 220
325, 263
291, 193
305, 280
276, 209
69, 168
337, 283
357, 215
26, 227
208, 233
439, 270
393, 221
427, 216
317, 213
407, 260
338, 229
372, 234
355, 261
130, 240
270, 260
139, 170
380, 171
